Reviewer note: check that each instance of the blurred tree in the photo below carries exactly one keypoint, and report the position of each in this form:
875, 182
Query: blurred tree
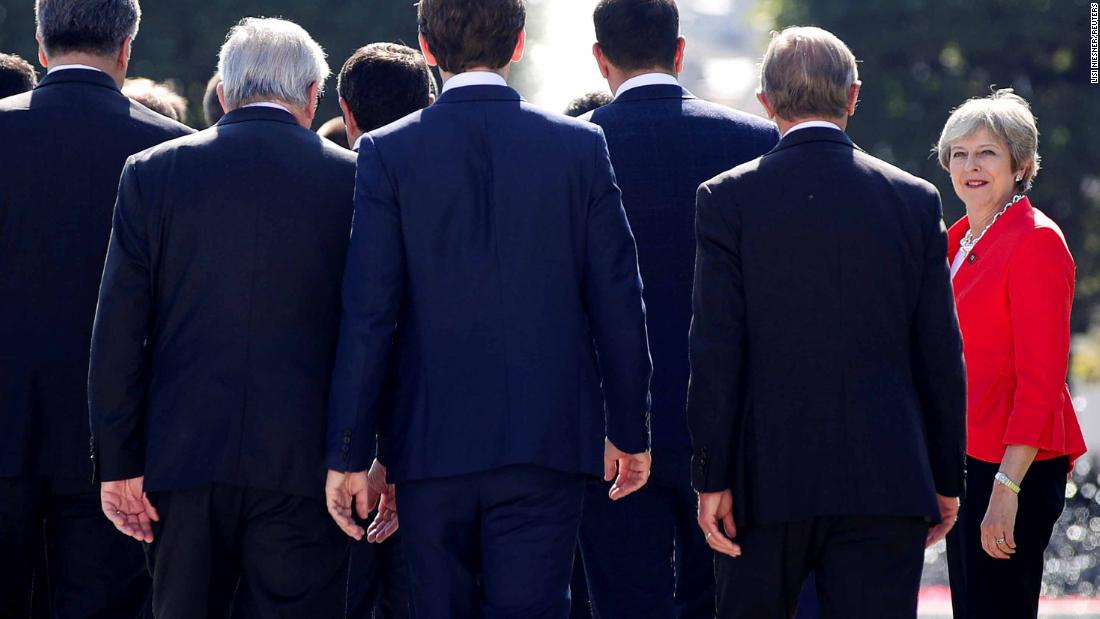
179, 39
921, 58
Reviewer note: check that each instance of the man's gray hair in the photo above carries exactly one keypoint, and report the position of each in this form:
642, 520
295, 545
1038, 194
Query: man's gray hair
91, 26
808, 72
1007, 116
270, 59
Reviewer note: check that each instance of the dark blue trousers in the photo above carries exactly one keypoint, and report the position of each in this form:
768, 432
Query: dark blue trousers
497, 544
378, 587
644, 555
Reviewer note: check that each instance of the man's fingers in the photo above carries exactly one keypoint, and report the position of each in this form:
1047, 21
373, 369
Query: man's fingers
627, 483
719, 542
341, 514
610, 464
154, 515
729, 525
365, 501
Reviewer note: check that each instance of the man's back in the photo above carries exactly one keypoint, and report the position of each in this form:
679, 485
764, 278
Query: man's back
664, 143
852, 349
64, 144
243, 229
504, 291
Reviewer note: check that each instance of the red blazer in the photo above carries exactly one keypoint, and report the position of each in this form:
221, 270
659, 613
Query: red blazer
1014, 292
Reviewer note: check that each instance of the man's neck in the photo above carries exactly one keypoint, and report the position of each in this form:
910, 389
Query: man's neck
617, 77
501, 71
785, 125
106, 64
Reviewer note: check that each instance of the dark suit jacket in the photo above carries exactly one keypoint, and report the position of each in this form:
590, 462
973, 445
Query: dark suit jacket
226, 259
62, 147
663, 143
827, 373
491, 253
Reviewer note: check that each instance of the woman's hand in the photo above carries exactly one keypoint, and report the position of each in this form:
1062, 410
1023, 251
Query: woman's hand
999, 523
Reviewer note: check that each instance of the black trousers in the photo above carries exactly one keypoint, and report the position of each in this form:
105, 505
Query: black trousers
497, 544
984, 587
378, 582
54, 537
280, 555
865, 568
653, 536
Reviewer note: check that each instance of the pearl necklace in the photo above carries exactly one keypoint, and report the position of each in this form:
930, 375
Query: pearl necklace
969, 240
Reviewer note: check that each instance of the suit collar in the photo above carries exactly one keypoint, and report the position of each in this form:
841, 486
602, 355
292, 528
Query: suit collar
247, 114
85, 76
1022, 211
479, 93
654, 91
813, 134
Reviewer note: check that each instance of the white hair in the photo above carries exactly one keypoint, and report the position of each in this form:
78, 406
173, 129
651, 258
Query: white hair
266, 58
1007, 116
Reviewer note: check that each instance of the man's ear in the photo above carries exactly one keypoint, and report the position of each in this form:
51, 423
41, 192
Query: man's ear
349, 118
425, 49
42, 59
601, 60
678, 59
123, 59
521, 42
767, 105
853, 97
221, 97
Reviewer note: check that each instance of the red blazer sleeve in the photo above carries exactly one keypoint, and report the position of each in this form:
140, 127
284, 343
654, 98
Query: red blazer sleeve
1040, 296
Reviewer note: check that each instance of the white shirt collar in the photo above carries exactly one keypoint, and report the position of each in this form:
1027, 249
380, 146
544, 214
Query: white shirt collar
62, 67
647, 79
358, 142
474, 78
812, 123
270, 105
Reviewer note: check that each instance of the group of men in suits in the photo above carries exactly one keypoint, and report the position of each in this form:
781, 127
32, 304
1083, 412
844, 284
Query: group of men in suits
481, 347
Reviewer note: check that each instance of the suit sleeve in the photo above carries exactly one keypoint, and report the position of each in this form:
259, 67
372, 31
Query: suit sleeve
716, 347
1040, 298
939, 372
373, 287
118, 372
613, 297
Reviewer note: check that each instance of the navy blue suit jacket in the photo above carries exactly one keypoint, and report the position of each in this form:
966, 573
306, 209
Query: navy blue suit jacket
62, 147
663, 143
213, 343
493, 278
826, 362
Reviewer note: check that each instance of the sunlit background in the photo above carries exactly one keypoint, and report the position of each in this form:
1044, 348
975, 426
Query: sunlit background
724, 41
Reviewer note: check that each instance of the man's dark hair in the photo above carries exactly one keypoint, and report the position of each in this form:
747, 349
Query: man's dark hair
463, 34
383, 82
335, 131
16, 75
212, 110
588, 102
638, 34
91, 26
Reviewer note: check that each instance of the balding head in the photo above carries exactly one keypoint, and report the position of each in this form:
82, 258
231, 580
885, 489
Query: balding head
808, 72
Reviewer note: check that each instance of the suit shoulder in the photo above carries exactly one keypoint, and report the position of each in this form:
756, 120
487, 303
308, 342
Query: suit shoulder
170, 128
743, 120
895, 175
560, 122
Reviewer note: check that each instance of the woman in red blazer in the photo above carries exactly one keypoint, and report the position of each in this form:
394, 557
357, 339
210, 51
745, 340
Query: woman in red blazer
1013, 278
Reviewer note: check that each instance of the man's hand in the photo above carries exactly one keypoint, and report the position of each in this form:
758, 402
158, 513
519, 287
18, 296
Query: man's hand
716, 514
126, 506
343, 489
630, 471
949, 513
385, 521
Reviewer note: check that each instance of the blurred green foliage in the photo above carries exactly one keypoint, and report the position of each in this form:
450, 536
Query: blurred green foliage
921, 58
179, 39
